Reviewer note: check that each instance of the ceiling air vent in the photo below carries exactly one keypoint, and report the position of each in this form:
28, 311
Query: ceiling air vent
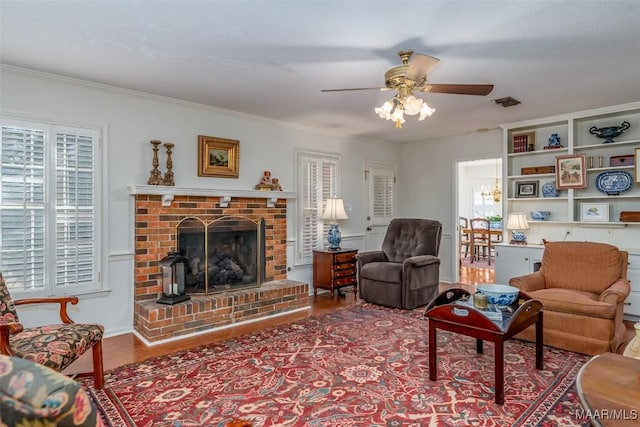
507, 101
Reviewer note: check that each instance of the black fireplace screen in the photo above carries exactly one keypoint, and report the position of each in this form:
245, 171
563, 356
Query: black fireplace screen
224, 254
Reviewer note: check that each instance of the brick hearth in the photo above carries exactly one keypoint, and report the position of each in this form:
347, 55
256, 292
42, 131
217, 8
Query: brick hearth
155, 236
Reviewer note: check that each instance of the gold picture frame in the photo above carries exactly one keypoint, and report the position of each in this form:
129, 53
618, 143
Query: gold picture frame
218, 157
571, 172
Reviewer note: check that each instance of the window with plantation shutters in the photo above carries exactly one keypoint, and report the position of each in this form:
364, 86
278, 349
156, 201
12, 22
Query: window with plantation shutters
48, 207
318, 181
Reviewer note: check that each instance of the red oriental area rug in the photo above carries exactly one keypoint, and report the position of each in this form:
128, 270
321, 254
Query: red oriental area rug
358, 366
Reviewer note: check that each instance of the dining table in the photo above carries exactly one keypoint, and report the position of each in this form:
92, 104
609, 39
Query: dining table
495, 233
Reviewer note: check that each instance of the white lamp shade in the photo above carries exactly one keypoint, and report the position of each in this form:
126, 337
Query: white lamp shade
334, 210
517, 221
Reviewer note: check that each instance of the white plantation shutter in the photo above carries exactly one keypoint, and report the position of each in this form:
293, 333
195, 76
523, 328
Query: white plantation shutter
382, 195
22, 207
75, 214
48, 207
318, 175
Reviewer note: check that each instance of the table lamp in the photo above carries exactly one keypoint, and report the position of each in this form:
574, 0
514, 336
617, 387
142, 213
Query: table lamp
517, 222
334, 212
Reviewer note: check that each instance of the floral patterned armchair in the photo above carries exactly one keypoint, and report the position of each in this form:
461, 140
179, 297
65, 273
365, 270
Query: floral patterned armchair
55, 346
34, 395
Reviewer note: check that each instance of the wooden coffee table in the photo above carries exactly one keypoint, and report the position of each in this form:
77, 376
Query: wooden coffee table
449, 312
609, 390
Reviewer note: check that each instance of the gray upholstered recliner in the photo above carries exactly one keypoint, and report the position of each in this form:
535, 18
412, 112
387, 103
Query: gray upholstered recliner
406, 272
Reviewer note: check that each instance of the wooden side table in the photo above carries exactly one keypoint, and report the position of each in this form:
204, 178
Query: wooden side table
334, 269
609, 390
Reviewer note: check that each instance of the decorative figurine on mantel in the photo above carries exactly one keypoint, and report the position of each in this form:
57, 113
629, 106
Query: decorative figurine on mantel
268, 184
155, 178
275, 185
265, 182
168, 176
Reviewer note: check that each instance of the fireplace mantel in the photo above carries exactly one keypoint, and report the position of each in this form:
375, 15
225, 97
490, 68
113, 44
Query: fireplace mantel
168, 193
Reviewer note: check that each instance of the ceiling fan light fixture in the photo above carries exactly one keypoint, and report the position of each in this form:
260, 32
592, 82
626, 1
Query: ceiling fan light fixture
412, 105
398, 117
394, 109
384, 112
412, 76
426, 111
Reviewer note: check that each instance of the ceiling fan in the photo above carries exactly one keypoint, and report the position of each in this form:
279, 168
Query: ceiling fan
412, 76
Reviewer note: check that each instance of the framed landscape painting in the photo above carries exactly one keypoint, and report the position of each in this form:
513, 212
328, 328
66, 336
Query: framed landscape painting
571, 172
218, 157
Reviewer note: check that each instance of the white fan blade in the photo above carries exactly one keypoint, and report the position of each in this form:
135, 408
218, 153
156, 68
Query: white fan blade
420, 65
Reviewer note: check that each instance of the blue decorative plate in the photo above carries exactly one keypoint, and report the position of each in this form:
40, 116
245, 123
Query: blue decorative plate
614, 182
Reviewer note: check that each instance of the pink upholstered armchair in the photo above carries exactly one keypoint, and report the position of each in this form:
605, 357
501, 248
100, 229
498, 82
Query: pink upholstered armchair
582, 287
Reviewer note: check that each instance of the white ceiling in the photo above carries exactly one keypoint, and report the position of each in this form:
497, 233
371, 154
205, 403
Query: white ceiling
272, 58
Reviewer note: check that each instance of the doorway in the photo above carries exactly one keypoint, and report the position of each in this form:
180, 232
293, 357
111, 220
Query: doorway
479, 196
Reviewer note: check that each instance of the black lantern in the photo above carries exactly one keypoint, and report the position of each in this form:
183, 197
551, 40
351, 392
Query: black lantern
173, 279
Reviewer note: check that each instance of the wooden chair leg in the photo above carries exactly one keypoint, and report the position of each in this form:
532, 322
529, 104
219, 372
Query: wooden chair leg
98, 370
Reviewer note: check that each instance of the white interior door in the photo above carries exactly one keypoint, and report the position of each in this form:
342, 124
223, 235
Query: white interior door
380, 191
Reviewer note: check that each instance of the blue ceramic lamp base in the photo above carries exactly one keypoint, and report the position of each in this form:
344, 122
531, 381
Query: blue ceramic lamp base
334, 237
518, 238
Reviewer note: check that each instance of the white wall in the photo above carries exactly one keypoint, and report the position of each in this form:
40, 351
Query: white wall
131, 120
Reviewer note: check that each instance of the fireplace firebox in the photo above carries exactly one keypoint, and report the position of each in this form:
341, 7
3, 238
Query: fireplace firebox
221, 255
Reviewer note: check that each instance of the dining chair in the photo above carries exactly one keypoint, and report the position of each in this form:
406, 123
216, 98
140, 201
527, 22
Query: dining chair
481, 241
464, 236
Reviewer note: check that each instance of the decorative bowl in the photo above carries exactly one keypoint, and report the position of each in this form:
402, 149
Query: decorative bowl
499, 294
609, 132
540, 215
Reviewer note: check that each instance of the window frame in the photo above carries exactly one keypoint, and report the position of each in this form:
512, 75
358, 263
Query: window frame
52, 128
303, 156
373, 171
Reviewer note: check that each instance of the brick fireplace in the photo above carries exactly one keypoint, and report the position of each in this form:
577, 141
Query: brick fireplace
156, 217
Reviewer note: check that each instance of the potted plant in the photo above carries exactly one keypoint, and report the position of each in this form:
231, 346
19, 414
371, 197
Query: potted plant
496, 221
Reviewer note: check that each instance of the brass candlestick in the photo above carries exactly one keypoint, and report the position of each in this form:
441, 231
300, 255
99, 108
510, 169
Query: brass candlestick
155, 178
168, 176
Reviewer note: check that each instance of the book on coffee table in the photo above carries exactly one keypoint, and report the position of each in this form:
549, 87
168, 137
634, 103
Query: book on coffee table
491, 311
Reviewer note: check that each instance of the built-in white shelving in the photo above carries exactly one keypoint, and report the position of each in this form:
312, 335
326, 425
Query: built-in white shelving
576, 139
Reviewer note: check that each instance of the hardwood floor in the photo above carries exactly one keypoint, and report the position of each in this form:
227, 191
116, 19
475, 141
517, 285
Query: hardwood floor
476, 276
